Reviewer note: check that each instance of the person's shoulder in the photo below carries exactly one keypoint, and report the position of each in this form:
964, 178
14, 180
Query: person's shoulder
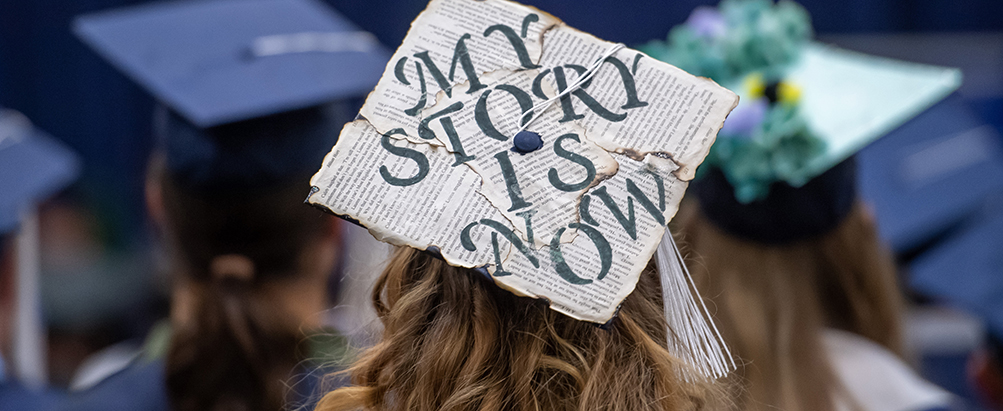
328, 355
877, 379
18, 397
138, 387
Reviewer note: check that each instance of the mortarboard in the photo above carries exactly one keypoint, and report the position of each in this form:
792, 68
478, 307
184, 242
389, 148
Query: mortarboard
502, 140
930, 174
967, 270
248, 83
806, 107
221, 61
33, 166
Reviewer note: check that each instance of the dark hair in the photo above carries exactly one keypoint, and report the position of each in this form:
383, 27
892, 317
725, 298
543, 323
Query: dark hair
236, 349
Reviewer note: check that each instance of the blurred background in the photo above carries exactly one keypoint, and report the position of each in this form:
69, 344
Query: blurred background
102, 285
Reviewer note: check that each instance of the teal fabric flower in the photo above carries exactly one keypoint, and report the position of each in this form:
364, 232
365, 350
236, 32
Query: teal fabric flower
757, 36
779, 149
745, 39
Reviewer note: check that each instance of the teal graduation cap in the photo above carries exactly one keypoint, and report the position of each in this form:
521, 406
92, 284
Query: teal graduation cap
783, 167
33, 166
222, 61
805, 106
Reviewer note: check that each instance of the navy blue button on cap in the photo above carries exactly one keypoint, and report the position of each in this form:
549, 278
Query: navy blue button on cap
222, 61
967, 271
526, 141
930, 174
33, 166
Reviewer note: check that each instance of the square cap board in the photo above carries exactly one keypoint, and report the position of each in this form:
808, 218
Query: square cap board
221, 61
33, 166
573, 208
851, 99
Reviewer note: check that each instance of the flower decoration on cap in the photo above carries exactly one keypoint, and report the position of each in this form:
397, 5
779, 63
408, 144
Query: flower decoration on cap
749, 46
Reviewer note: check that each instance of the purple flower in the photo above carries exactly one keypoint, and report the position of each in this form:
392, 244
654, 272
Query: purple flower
707, 22
745, 118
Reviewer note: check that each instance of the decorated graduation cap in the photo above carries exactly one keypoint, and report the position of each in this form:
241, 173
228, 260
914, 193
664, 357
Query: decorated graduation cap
548, 160
249, 84
33, 167
781, 169
966, 270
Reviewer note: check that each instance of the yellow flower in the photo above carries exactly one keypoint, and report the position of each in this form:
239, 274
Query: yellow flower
755, 85
788, 93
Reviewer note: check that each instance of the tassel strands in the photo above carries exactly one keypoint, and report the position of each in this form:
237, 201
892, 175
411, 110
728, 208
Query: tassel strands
693, 337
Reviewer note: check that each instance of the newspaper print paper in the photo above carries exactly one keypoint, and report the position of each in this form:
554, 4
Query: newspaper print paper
429, 164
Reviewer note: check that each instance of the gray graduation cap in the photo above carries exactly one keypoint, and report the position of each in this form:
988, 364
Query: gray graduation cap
247, 82
33, 166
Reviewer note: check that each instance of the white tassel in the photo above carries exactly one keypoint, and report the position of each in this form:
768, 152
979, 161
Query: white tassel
693, 337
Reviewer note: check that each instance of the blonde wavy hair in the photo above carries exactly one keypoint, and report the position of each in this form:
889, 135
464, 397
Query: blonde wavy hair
773, 302
453, 340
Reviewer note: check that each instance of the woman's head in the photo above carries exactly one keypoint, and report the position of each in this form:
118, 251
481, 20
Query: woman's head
773, 301
453, 340
250, 261
250, 271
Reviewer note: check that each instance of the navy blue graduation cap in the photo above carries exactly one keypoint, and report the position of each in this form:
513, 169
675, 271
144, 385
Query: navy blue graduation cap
248, 83
966, 270
930, 174
33, 166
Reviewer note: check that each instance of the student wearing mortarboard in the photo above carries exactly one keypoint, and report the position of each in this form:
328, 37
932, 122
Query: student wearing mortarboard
33, 167
965, 272
457, 335
249, 91
805, 292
